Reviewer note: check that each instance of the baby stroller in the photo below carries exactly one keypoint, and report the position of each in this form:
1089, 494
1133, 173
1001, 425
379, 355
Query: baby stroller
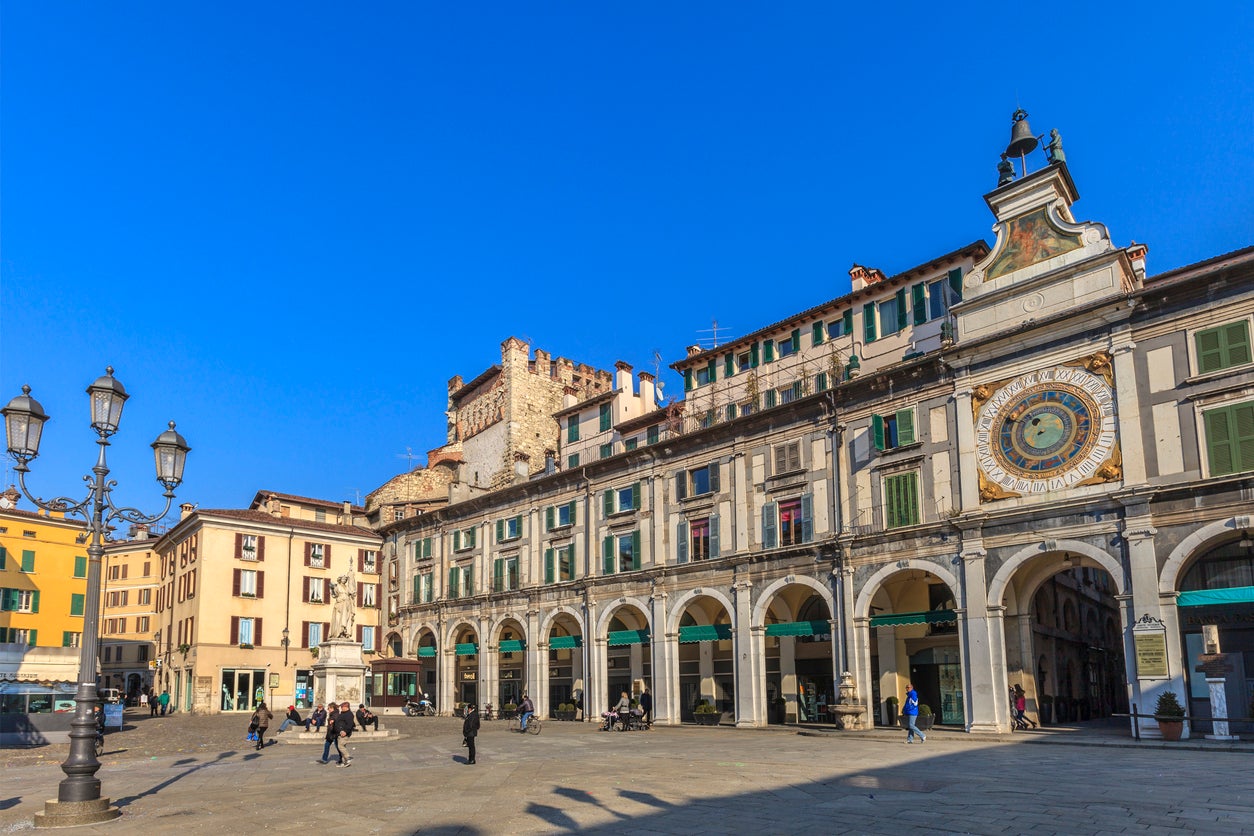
608, 719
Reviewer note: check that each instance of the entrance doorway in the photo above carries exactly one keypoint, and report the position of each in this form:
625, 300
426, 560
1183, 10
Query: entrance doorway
239, 688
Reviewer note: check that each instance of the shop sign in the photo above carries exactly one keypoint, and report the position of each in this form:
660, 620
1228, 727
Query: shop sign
1149, 639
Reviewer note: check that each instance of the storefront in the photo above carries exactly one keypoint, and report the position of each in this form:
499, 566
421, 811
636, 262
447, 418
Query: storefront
393, 682
241, 688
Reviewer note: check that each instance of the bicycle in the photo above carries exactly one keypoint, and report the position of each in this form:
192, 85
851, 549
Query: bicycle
533, 725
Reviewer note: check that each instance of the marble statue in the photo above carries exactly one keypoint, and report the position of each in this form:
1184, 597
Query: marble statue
344, 591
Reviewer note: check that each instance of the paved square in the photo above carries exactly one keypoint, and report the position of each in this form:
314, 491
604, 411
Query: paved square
197, 775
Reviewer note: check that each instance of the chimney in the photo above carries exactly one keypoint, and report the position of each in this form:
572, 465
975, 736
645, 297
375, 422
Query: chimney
622, 377
648, 394
186, 510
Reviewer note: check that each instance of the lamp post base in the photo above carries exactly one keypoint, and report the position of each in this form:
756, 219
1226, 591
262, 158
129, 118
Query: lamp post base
73, 813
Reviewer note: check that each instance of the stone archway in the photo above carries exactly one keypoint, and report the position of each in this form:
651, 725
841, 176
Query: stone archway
798, 644
562, 663
702, 624
625, 641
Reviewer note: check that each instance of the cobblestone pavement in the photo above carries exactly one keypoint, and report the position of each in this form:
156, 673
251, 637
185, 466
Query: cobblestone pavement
198, 775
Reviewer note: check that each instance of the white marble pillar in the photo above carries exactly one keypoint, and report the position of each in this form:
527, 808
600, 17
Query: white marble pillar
1219, 708
747, 651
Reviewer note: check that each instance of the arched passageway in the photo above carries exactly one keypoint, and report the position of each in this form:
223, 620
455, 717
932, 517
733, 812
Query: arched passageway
628, 655
707, 667
798, 647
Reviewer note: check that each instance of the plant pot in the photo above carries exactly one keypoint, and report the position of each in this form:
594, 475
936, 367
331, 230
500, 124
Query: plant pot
708, 719
1046, 711
1171, 729
891, 709
565, 715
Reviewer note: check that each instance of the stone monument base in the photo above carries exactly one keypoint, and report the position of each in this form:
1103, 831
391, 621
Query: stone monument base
75, 813
339, 674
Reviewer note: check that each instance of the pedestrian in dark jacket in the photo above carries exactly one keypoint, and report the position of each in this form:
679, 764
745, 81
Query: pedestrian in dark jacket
344, 729
646, 705
366, 718
470, 728
292, 719
332, 736
261, 719
317, 719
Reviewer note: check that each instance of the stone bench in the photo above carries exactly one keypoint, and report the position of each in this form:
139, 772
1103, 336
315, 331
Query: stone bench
319, 737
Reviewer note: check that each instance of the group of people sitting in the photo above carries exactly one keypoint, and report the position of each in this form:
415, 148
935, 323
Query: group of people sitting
318, 718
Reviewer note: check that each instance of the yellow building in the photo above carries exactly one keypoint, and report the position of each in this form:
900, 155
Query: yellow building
128, 610
43, 578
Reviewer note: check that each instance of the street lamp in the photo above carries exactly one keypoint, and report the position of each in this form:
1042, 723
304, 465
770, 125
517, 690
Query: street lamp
285, 643
78, 796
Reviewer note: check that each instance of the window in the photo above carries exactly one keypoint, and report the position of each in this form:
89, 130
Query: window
1230, 438
697, 482
248, 546
369, 561
369, 594
572, 428
320, 515
790, 393
621, 500
141, 624
147, 568
28, 561
901, 499
787, 457
559, 516
504, 574
820, 382
1223, 347
559, 564
652, 434
748, 407
367, 637
316, 555
108, 654
461, 580
891, 431
76, 603
572, 461
422, 549
892, 313
842, 327
464, 539
398, 514
706, 374
315, 590
605, 416
768, 399
787, 522
27, 600
744, 361
141, 654
80, 566
630, 444
246, 583
246, 631
314, 630
69, 639
607, 450
145, 597
28, 533
114, 573
697, 539
509, 529
424, 588
621, 552
789, 346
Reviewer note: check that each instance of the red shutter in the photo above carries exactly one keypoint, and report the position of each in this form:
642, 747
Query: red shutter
239, 545
235, 629
361, 560
261, 548
308, 552
261, 584
326, 630
359, 586
304, 592
359, 634
235, 584
256, 632
304, 634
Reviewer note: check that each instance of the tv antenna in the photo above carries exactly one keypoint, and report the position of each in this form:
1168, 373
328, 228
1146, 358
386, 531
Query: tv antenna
410, 456
711, 341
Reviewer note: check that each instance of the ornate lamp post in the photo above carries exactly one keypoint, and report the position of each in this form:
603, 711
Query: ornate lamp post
286, 641
78, 796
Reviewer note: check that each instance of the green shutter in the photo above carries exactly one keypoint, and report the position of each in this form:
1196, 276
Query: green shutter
548, 566
30, 638
955, 284
417, 589
769, 512
471, 533
753, 356
847, 322
714, 485
712, 368
500, 530
816, 334
469, 577
1223, 347
77, 603
7, 602
768, 351
607, 554
1230, 438
635, 496
714, 535
571, 515
3, 557
729, 365
550, 515
905, 427
635, 549
498, 574
918, 302
796, 340
457, 540
1210, 356
34, 602
902, 500
687, 380
820, 382
454, 577
28, 561
681, 542
80, 566
768, 398
869, 329
1237, 336
607, 502
67, 639
877, 432
901, 308
604, 416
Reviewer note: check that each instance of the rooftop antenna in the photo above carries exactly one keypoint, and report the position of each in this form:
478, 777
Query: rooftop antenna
658, 383
410, 455
711, 341
356, 493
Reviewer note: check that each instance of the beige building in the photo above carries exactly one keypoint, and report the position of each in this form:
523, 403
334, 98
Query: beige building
128, 614
245, 599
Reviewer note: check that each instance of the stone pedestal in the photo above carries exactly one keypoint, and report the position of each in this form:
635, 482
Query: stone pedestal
75, 813
1219, 708
340, 674
849, 711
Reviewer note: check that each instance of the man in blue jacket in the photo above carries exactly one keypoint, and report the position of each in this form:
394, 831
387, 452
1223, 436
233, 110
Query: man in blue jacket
910, 710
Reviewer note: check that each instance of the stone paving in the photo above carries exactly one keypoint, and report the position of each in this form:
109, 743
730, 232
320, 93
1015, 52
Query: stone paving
197, 775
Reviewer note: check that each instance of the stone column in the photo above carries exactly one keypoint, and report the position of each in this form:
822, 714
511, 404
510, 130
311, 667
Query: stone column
749, 708
594, 671
665, 653
1128, 405
535, 656
968, 479
984, 698
489, 661
1141, 583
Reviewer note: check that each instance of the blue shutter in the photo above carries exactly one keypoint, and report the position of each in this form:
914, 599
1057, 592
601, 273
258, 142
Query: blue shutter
714, 535
681, 543
769, 512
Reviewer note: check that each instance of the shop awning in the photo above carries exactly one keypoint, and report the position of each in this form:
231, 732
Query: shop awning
426, 652
799, 628
565, 642
618, 638
512, 646
1210, 597
704, 633
467, 649
901, 619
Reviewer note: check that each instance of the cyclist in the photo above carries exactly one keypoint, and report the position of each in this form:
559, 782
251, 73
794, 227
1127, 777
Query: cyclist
526, 708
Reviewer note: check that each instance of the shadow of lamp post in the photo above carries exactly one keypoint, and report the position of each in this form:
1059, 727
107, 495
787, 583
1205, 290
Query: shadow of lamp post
78, 796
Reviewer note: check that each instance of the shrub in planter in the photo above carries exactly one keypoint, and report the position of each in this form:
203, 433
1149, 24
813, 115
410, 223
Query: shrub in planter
891, 705
1170, 715
923, 722
706, 714
566, 711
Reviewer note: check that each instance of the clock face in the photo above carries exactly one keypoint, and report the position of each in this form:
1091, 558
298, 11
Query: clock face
1046, 431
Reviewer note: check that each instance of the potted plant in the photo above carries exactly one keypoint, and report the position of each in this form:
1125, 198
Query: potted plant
779, 711
924, 722
566, 711
890, 707
183, 648
706, 714
313, 651
1045, 705
1170, 715
509, 711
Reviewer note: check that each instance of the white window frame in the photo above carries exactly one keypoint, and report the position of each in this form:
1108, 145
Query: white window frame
248, 583
370, 561
368, 637
315, 591
25, 600
315, 633
369, 595
246, 631
318, 555
248, 547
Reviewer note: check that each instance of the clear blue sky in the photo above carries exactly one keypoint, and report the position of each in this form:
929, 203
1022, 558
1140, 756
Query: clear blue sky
287, 225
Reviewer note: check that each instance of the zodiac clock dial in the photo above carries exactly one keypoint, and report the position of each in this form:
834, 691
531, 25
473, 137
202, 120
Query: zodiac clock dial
1046, 430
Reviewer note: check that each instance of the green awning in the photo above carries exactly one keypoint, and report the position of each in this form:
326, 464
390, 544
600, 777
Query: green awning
426, 652
512, 646
618, 638
704, 633
565, 642
1210, 597
467, 649
799, 628
902, 619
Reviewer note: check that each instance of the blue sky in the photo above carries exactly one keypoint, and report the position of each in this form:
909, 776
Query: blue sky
287, 225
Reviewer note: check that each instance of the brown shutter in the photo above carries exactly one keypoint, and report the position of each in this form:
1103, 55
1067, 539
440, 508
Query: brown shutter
359, 634
326, 590
235, 629
304, 633
261, 548
261, 584
359, 596
308, 552
239, 545
125, 566
191, 624
235, 583
361, 560
326, 630
256, 632
304, 592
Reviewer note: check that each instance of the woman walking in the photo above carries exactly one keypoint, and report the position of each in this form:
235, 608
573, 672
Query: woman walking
261, 719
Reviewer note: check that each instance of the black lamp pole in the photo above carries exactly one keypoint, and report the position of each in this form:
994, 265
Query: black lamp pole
78, 796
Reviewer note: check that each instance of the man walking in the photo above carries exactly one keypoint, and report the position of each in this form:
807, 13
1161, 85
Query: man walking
154, 703
470, 728
911, 712
332, 737
165, 701
646, 706
344, 729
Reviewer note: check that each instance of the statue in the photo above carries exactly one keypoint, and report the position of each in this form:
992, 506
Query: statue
1053, 150
1005, 171
345, 593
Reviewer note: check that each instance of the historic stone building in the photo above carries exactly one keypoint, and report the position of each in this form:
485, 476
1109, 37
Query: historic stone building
893, 484
128, 613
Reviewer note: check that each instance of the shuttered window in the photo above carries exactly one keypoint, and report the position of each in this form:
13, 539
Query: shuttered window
869, 329
1223, 347
891, 431
605, 416
1230, 438
901, 499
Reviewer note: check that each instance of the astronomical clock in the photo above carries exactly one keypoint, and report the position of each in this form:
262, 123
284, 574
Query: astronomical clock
1047, 430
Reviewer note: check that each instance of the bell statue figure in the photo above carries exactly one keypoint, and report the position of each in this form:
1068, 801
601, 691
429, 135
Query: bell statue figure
344, 593
1053, 148
1005, 171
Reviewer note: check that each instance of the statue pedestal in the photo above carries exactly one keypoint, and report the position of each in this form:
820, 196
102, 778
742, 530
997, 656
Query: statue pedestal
1219, 708
339, 674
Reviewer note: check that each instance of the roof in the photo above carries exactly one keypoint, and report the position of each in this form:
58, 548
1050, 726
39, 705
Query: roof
976, 249
592, 401
261, 496
1236, 258
34, 516
467, 388
286, 522
656, 416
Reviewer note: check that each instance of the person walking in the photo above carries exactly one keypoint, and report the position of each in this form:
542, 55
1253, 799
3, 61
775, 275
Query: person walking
646, 706
1022, 723
154, 703
292, 719
470, 728
366, 717
261, 718
910, 710
165, 701
344, 729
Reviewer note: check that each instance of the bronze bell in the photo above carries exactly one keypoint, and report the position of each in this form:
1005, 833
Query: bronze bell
1022, 142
